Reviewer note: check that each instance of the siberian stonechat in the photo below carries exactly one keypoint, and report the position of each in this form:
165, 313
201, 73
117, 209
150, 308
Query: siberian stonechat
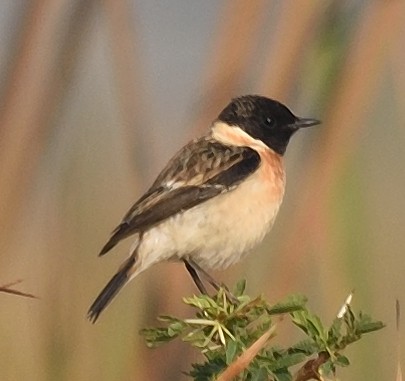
214, 201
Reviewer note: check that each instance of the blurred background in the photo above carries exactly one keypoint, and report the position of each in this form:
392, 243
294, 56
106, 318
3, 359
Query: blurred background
95, 96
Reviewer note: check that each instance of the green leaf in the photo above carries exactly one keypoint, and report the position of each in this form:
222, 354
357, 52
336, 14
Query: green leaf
207, 370
201, 302
290, 304
231, 351
168, 319
334, 330
260, 374
371, 327
156, 336
366, 324
221, 330
288, 360
342, 361
175, 328
283, 375
311, 324
240, 288
196, 337
308, 347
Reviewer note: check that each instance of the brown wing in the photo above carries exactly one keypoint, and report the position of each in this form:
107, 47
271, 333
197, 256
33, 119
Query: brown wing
201, 170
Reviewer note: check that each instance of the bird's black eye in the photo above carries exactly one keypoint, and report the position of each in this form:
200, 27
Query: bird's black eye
269, 121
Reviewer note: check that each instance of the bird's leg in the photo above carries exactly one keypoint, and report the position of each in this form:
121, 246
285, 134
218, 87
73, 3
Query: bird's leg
207, 276
194, 274
197, 269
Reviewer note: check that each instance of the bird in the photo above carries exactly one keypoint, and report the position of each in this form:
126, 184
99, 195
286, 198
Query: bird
214, 201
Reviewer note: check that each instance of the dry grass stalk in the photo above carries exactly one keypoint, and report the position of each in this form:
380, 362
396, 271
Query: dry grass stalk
289, 46
38, 77
235, 39
24, 103
6, 288
128, 76
344, 121
243, 361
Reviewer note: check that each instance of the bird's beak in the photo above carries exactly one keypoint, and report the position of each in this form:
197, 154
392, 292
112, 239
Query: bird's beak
305, 122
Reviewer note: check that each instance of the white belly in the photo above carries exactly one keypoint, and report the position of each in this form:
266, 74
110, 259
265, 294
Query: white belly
237, 222
220, 231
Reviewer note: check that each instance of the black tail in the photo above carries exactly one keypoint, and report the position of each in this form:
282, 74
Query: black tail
110, 290
119, 233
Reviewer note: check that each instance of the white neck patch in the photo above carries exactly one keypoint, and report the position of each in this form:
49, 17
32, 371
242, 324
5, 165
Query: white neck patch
235, 136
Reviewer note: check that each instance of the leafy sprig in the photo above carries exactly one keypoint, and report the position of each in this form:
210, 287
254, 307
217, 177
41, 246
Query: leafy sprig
224, 332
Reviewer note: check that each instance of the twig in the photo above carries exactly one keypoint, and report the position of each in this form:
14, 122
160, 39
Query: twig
310, 370
398, 318
247, 356
6, 288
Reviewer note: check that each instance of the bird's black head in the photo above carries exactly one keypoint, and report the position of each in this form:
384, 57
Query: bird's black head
264, 119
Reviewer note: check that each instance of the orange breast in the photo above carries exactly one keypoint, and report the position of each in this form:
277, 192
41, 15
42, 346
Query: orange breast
272, 173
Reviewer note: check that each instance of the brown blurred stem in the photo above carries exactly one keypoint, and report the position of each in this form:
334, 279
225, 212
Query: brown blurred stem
340, 135
290, 46
36, 81
234, 42
310, 370
128, 75
243, 361
6, 288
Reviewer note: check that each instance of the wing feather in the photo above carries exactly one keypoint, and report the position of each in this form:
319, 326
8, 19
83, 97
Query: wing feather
201, 170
